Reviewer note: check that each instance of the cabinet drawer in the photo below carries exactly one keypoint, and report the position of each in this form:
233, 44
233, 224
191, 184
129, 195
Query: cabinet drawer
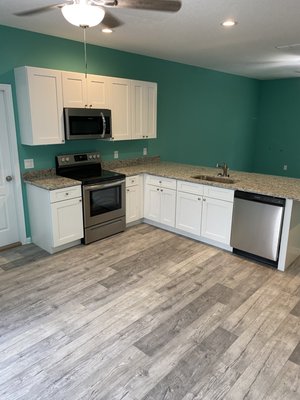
132, 180
189, 187
218, 193
161, 182
65, 193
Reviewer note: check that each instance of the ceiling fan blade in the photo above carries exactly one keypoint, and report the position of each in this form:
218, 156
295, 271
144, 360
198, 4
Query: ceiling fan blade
109, 21
155, 5
39, 10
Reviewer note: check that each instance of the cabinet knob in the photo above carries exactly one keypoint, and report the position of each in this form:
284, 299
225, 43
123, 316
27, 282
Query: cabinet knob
85, 105
161, 190
8, 178
91, 105
204, 199
199, 198
127, 190
80, 200
157, 189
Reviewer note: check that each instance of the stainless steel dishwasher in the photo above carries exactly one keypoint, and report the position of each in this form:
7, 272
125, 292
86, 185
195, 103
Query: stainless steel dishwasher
256, 226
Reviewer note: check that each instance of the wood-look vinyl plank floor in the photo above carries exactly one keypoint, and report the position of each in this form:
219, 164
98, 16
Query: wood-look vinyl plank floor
147, 315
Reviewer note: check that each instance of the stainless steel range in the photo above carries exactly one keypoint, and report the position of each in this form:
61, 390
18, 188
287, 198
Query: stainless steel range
103, 194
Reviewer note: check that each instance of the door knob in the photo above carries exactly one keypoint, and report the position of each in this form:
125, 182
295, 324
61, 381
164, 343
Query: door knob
9, 178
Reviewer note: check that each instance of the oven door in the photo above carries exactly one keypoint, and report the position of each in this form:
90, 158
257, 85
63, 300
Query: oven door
103, 202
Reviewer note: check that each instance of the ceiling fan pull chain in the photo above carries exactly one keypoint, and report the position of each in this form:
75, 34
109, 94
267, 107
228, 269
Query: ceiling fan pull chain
85, 54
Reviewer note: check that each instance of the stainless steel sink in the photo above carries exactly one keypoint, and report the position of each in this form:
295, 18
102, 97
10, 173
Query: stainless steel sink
211, 178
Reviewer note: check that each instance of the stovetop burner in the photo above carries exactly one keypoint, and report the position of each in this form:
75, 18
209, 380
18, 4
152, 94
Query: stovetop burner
85, 167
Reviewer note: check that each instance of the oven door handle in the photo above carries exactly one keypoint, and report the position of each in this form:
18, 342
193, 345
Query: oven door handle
89, 188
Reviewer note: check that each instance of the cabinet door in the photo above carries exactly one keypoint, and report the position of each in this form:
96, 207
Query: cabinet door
144, 105
188, 212
152, 203
67, 221
216, 219
97, 91
168, 207
133, 209
74, 90
119, 97
39, 96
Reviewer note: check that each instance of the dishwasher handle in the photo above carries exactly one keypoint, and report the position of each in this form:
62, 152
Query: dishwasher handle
260, 198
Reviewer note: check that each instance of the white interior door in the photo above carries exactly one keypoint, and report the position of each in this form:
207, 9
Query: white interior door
9, 229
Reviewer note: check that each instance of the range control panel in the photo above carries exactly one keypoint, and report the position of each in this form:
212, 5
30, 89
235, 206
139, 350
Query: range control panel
77, 159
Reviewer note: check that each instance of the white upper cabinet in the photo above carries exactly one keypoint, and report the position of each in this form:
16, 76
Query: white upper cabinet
40, 105
144, 106
80, 91
43, 93
120, 105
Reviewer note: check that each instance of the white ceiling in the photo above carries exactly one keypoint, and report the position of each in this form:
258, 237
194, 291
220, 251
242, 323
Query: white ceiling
191, 36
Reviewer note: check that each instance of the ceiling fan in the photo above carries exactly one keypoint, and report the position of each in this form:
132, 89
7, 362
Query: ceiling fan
88, 13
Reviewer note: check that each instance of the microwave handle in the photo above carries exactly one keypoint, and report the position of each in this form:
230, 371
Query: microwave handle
104, 125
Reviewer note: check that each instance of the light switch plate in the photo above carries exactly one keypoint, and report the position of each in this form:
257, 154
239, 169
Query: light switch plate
28, 163
116, 154
145, 151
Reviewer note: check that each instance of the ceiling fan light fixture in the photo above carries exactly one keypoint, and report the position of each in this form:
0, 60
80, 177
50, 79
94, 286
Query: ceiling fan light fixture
83, 15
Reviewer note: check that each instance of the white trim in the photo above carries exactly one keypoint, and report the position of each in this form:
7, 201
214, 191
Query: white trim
201, 239
12, 139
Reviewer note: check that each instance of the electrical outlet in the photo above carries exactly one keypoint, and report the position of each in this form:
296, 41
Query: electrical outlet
285, 167
116, 154
28, 163
145, 151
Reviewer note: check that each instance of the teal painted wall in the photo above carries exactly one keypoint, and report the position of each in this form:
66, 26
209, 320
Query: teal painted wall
206, 117
278, 134
203, 116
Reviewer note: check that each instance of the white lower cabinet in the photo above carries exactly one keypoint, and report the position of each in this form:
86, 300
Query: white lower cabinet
189, 212
204, 211
133, 198
216, 220
56, 220
160, 200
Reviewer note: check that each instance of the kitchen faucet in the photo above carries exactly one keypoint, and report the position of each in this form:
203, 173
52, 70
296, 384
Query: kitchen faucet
225, 169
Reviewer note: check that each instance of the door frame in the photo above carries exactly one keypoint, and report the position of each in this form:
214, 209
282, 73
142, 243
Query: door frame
15, 165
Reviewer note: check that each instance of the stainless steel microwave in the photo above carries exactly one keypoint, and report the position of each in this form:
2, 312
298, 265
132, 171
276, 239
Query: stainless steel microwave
87, 123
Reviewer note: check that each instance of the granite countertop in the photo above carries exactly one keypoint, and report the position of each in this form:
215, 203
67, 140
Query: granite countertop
46, 179
256, 183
